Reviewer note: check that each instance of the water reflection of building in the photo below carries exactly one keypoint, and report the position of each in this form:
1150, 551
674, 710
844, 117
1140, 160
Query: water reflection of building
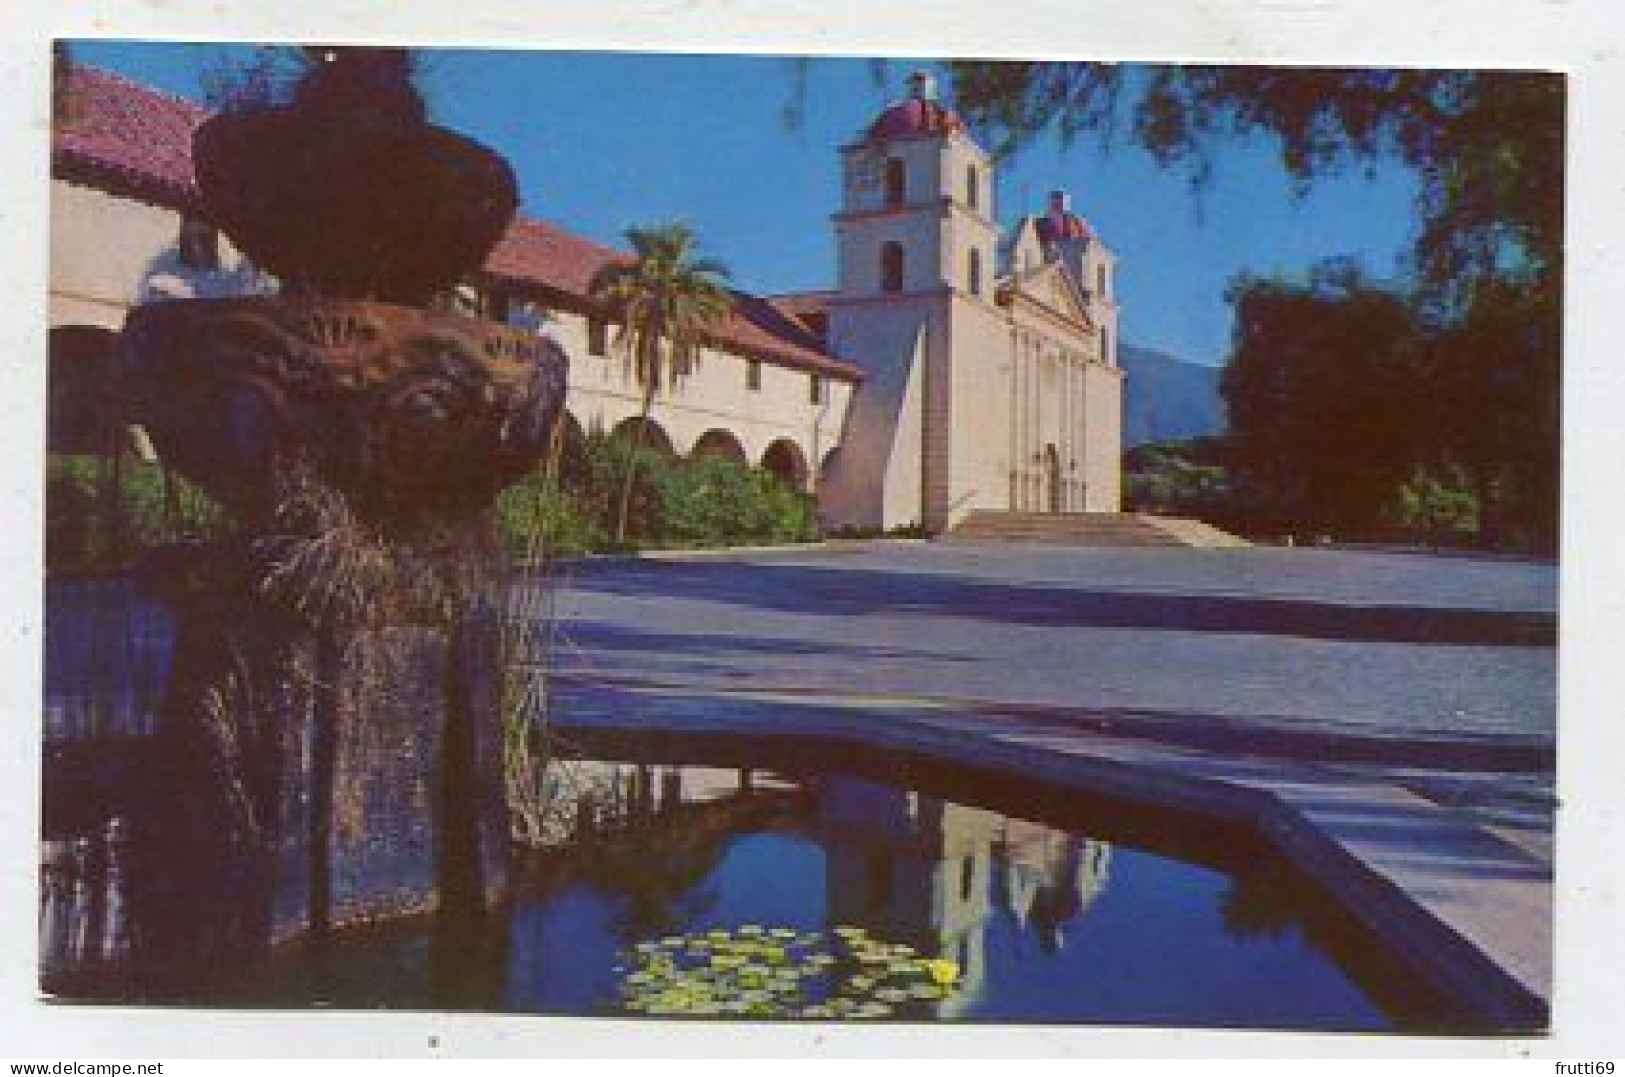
935, 874
82, 924
590, 796
1049, 877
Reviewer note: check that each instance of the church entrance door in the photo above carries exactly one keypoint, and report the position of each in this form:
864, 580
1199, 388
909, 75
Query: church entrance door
1052, 479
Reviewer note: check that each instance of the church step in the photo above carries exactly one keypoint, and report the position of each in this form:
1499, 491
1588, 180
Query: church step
1090, 529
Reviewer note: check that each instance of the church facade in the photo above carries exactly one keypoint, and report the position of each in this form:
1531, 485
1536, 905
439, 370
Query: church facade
985, 390
950, 367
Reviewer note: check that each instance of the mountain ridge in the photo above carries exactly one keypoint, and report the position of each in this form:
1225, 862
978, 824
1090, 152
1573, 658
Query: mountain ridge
1166, 397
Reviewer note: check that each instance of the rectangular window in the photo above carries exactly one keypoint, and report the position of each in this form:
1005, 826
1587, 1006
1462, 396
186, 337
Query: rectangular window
815, 389
597, 337
753, 374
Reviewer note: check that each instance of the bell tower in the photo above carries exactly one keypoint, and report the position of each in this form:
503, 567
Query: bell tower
916, 242
917, 202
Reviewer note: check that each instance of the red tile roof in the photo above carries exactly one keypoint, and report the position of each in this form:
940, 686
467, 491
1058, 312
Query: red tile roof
535, 252
803, 304
137, 141
915, 116
546, 256
130, 137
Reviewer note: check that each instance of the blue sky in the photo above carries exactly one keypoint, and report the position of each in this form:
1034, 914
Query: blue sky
605, 140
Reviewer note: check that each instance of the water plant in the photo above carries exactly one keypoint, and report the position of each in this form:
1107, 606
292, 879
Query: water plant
781, 973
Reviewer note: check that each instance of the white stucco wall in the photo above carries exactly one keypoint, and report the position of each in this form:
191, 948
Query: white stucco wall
109, 253
877, 479
1103, 457
979, 450
603, 392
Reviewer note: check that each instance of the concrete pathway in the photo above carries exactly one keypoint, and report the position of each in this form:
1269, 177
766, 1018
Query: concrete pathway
1408, 647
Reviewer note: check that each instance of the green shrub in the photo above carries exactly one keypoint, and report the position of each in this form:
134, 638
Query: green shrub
674, 503
721, 503
537, 518
1178, 478
86, 527
1433, 508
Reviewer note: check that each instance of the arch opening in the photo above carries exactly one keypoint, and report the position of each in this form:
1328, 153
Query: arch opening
891, 266
645, 432
896, 181
719, 445
785, 461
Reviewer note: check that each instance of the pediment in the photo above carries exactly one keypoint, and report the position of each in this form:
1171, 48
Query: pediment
1052, 287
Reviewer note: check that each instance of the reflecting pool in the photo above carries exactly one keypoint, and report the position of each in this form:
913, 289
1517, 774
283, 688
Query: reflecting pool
816, 893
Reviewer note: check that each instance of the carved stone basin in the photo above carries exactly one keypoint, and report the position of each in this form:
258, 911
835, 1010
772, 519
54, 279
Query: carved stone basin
417, 417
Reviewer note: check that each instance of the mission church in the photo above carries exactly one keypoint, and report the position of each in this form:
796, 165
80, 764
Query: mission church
949, 369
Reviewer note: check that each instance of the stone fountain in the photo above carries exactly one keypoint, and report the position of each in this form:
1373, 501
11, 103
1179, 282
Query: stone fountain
332, 728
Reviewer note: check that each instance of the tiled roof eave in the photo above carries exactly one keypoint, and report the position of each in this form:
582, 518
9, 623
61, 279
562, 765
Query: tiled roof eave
548, 292
584, 305
139, 185
835, 368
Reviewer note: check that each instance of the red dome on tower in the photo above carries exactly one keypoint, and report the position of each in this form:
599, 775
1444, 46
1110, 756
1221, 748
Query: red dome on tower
1060, 223
918, 114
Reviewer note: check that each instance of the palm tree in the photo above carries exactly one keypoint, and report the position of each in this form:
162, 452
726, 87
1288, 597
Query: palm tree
665, 299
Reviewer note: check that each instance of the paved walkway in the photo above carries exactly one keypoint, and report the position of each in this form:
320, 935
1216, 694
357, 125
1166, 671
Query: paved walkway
1408, 647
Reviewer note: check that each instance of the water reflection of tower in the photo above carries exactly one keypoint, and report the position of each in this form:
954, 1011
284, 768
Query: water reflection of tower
919, 870
1048, 878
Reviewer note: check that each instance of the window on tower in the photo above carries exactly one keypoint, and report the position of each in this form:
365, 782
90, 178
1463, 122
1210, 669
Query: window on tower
597, 336
896, 181
1100, 277
973, 282
973, 188
891, 266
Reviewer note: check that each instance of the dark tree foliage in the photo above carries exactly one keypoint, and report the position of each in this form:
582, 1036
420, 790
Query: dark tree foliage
1183, 477
1322, 396
1487, 148
1495, 403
